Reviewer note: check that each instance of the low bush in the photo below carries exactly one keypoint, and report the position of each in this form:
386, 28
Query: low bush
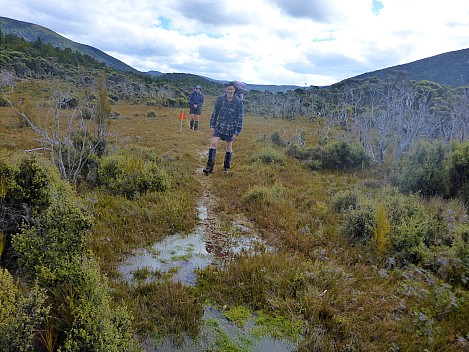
268, 155
21, 314
345, 200
359, 223
132, 172
341, 155
422, 169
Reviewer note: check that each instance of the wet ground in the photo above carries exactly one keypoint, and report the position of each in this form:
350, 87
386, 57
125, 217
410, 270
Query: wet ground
178, 256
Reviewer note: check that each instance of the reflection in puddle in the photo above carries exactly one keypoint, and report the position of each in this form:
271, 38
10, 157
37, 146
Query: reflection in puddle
217, 328
182, 255
179, 256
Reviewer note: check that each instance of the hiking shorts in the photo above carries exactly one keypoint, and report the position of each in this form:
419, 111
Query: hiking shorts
195, 111
223, 137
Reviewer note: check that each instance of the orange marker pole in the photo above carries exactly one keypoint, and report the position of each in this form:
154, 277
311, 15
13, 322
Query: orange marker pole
180, 117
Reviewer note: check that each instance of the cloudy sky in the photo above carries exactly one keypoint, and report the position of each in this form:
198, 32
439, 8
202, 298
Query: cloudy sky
298, 42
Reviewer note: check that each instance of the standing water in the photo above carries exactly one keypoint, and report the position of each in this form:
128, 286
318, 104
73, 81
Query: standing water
179, 256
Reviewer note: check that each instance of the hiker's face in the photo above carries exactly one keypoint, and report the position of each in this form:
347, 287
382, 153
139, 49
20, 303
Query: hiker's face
230, 91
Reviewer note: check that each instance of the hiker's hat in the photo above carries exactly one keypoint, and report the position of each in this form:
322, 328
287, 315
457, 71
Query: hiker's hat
198, 87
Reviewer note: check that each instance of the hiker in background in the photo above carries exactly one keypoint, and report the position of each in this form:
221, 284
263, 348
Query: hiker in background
196, 100
226, 124
240, 88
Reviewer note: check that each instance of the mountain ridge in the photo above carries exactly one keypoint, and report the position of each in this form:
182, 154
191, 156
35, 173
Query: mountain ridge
451, 68
32, 32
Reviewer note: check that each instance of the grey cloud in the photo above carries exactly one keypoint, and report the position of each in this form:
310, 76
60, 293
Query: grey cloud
210, 13
333, 65
317, 10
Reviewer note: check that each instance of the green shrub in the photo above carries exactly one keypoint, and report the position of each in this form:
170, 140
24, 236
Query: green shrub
460, 245
459, 171
343, 155
269, 155
422, 170
96, 324
32, 180
359, 223
340, 155
408, 239
344, 200
276, 139
151, 113
21, 314
131, 173
297, 152
25, 186
48, 248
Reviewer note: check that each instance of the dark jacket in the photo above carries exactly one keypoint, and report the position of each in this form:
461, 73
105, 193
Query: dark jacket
227, 117
196, 98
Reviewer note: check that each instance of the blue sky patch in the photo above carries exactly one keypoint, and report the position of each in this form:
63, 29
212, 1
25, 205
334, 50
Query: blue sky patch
165, 22
376, 6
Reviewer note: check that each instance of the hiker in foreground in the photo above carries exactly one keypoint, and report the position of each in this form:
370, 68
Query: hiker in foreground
196, 100
226, 124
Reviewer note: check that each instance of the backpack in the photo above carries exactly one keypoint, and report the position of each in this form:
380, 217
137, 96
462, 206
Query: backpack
240, 88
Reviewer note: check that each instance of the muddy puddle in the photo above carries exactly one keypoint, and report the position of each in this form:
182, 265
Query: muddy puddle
178, 256
216, 328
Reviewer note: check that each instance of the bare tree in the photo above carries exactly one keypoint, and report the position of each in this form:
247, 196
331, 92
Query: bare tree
72, 135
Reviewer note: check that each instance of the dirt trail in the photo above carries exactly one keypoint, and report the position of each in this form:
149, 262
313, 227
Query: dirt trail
221, 242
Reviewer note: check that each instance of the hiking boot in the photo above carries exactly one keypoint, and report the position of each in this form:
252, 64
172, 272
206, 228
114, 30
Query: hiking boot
210, 162
192, 124
227, 161
196, 125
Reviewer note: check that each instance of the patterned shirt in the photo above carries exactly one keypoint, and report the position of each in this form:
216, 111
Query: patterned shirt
227, 117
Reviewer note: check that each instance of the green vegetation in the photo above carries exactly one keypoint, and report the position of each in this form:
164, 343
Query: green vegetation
365, 224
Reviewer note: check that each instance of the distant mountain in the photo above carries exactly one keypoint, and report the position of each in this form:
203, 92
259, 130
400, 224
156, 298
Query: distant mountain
450, 68
155, 73
32, 32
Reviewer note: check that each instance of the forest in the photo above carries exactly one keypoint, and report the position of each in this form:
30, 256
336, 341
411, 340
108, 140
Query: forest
356, 195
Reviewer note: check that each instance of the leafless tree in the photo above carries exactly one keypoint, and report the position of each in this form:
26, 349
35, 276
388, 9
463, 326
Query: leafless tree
72, 135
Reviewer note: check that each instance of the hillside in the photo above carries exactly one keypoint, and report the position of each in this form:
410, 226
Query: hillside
32, 32
450, 68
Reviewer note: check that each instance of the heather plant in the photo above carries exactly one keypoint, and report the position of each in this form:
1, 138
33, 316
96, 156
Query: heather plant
25, 183
343, 155
89, 318
51, 245
461, 246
